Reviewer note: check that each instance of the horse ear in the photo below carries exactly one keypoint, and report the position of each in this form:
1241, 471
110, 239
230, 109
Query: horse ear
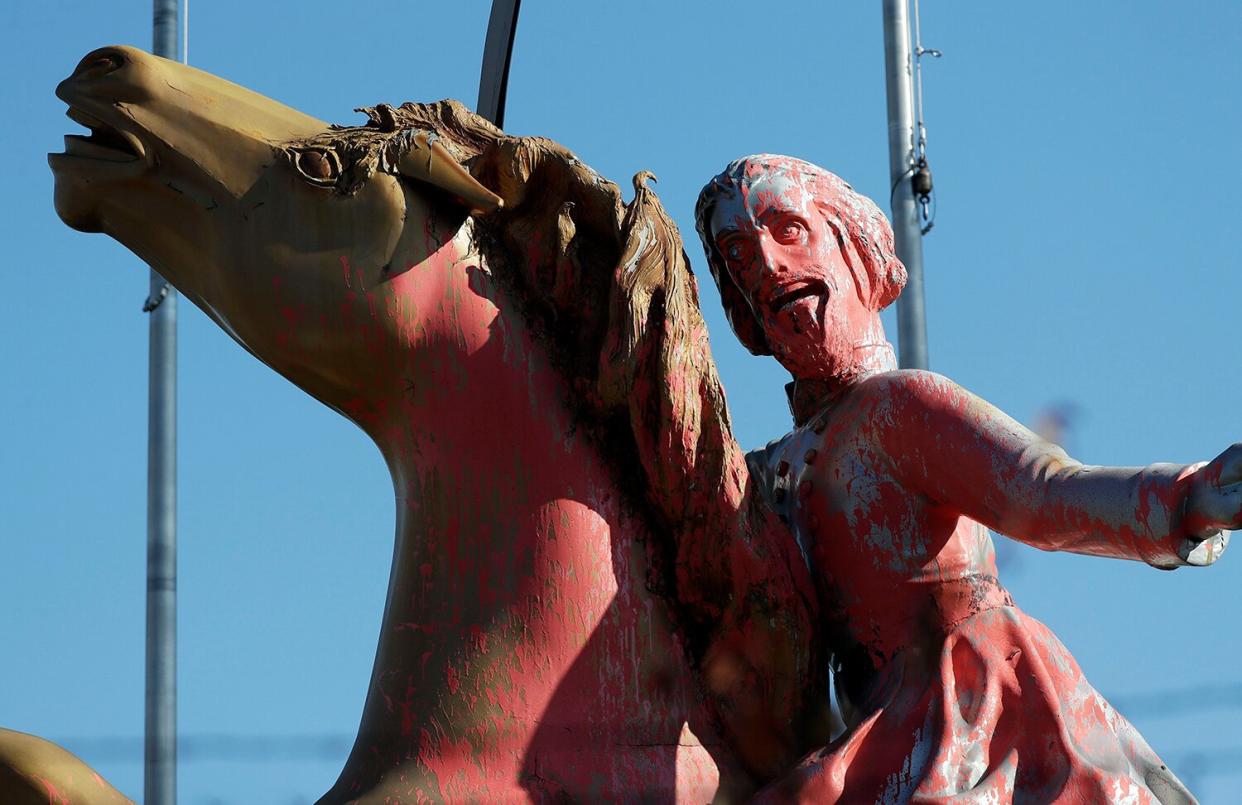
428, 161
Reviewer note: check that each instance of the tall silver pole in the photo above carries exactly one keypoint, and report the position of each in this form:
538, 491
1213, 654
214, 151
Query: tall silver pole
911, 319
160, 761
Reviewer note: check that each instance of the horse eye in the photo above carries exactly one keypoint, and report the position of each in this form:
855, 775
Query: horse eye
320, 167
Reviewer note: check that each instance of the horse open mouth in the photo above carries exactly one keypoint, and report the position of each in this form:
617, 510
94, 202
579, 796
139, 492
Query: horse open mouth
105, 143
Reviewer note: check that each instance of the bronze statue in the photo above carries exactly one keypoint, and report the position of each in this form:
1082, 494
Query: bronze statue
527, 353
592, 595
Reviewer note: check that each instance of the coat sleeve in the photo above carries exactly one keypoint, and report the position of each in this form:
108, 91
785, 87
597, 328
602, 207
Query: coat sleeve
970, 457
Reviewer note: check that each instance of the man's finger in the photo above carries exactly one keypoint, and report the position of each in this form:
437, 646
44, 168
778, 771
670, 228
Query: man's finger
1229, 500
1212, 508
1229, 465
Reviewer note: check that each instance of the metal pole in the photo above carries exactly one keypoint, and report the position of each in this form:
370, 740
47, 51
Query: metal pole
160, 761
911, 319
497, 53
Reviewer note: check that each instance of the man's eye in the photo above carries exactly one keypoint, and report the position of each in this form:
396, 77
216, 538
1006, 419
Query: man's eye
790, 232
734, 252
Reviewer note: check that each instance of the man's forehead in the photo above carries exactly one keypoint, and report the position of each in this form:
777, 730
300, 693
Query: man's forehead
774, 186
744, 205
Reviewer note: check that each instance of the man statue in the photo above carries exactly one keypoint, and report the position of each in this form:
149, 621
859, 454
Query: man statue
889, 483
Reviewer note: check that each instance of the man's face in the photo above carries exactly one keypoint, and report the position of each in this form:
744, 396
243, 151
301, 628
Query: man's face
788, 262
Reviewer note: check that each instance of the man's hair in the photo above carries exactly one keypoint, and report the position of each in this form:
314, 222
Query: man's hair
853, 217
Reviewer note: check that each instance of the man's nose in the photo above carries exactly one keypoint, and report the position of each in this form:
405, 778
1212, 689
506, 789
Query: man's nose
771, 256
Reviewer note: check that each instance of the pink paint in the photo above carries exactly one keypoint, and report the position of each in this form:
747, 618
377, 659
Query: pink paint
523, 652
948, 690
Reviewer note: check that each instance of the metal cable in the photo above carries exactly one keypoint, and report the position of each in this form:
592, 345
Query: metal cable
927, 211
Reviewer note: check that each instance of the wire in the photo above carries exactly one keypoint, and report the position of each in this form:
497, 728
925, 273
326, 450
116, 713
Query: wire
1170, 702
205, 748
925, 196
209, 747
1176, 701
892, 191
920, 146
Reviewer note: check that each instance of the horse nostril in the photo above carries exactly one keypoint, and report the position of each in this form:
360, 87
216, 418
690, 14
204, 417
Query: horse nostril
99, 63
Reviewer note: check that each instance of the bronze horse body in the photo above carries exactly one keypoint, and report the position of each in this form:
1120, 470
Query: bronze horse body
531, 644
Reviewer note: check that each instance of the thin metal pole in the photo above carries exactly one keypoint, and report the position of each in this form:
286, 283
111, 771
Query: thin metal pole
911, 318
160, 761
497, 53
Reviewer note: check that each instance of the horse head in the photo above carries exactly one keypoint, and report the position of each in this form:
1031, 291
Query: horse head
203, 179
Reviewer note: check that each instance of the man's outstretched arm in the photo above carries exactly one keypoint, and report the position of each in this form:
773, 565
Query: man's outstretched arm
969, 456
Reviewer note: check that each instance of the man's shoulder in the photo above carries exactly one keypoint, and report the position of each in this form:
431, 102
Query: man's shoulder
907, 386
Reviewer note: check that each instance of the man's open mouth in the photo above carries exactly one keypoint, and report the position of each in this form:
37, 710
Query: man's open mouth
104, 143
796, 291
803, 301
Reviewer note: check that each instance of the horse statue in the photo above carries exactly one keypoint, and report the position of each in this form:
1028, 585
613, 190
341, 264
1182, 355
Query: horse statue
527, 353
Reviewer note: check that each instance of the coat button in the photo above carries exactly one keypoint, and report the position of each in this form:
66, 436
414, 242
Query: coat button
809, 458
804, 489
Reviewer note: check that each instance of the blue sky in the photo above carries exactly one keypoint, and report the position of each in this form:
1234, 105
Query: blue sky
1087, 181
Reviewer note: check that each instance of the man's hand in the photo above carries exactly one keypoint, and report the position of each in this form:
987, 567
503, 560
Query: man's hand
1213, 507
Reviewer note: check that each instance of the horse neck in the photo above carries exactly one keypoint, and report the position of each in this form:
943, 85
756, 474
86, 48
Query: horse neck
479, 421
519, 616
500, 497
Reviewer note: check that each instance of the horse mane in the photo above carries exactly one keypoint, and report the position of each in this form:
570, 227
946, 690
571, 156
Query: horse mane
609, 287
